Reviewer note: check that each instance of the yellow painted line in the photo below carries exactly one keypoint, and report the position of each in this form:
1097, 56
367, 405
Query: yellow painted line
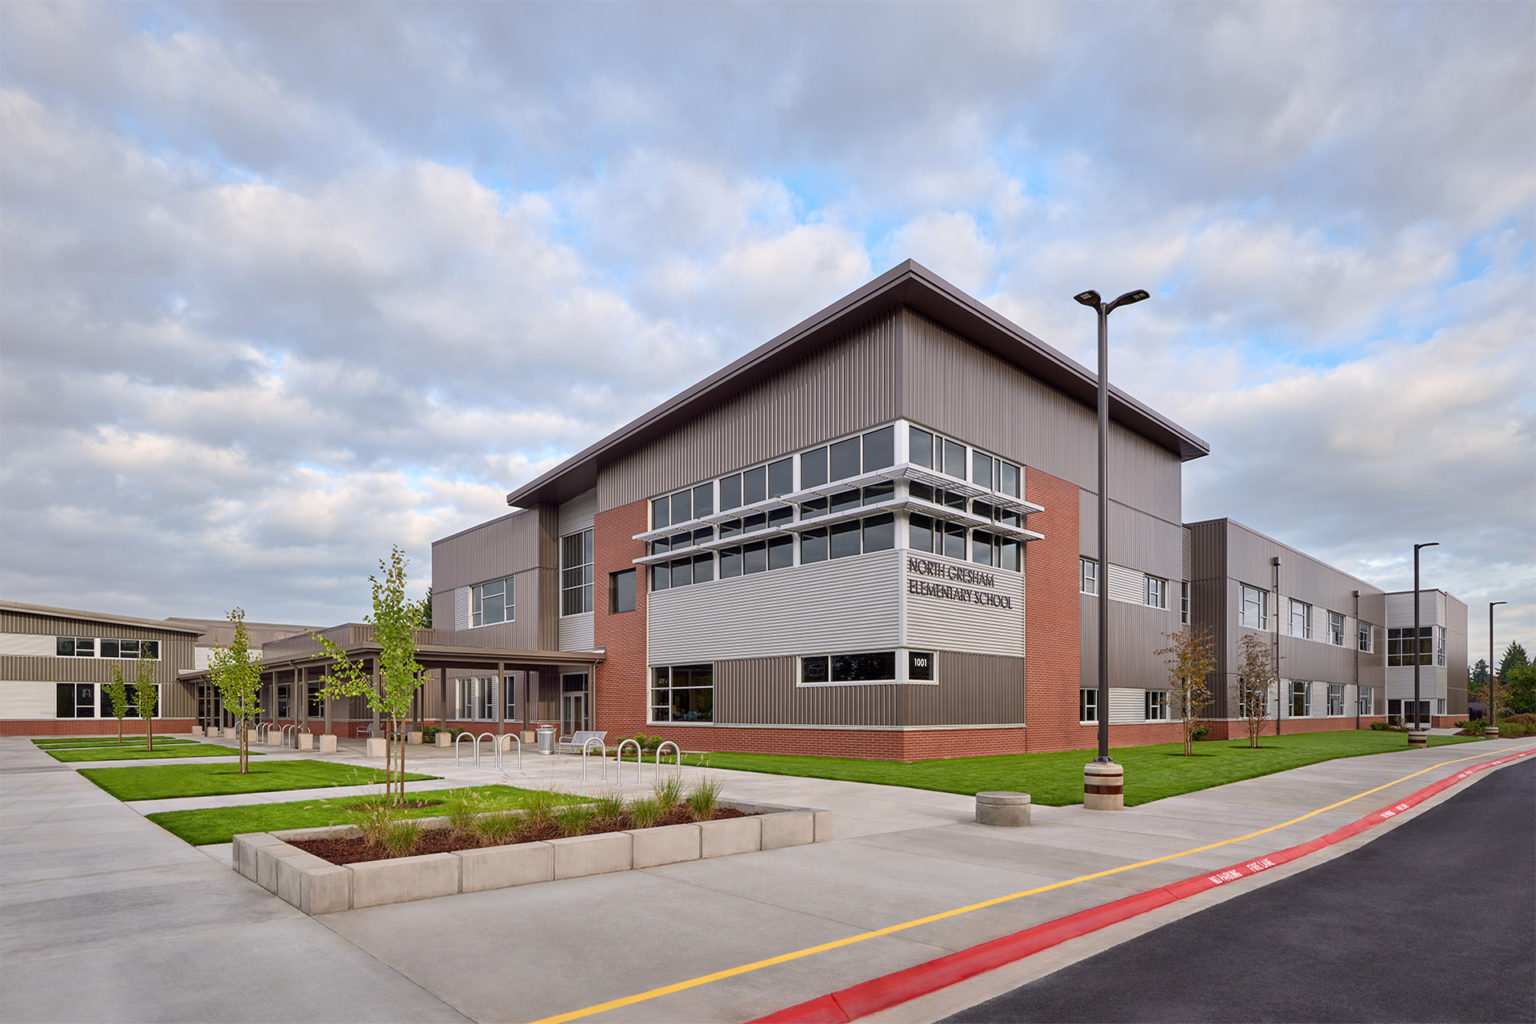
799, 954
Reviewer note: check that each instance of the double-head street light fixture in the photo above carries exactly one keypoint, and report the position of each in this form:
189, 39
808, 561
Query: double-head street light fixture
1092, 300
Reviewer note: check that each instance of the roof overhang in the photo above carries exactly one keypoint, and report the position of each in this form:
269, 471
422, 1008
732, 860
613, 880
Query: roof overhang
908, 285
432, 656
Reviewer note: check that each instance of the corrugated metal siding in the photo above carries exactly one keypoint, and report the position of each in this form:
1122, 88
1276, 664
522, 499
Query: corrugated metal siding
973, 689
849, 604
1127, 705
762, 691
461, 605
175, 655
1127, 585
577, 514
26, 699
934, 622
847, 386
498, 548
36, 645
960, 389
1135, 632
1136, 538
576, 632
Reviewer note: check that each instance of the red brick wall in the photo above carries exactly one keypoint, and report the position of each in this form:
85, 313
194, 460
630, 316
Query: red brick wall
90, 726
1052, 626
620, 693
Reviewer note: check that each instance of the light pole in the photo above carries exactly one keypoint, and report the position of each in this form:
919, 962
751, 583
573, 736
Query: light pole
1492, 728
1417, 737
1103, 780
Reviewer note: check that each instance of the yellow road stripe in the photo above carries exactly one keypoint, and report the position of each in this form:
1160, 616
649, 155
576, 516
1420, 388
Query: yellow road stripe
783, 958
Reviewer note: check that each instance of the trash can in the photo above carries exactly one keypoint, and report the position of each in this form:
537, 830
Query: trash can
546, 739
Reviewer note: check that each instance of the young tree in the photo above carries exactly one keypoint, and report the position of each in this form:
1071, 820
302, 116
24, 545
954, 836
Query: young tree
236, 671
1477, 675
1191, 658
146, 695
117, 693
1514, 657
424, 611
395, 619
1256, 673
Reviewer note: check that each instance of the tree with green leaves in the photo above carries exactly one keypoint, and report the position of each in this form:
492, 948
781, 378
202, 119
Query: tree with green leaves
236, 670
1519, 689
424, 611
1514, 657
1256, 675
1477, 675
146, 694
390, 686
1191, 658
117, 695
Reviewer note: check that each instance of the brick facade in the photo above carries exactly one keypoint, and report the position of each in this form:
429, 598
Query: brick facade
1052, 626
620, 692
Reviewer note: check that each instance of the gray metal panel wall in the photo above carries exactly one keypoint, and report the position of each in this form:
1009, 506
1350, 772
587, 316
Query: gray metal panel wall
490, 551
962, 390
1135, 632
847, 386
523, 633
176, 650
1209, 605
973, 689
1136, 539
1455, 656
763, 691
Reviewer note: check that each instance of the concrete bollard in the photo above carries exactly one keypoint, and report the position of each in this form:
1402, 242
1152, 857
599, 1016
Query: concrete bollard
1009, 810
414, 737
1491, 732
1418, 738
306, 741
1103, 787
328, 743
377, 747
275, 737
252, 736
445, 738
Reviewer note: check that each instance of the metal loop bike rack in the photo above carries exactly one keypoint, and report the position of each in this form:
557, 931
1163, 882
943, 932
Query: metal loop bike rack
639, 760
676, 750
515, 739
460, 738
289, 735
495, 749
262, 728
602, 755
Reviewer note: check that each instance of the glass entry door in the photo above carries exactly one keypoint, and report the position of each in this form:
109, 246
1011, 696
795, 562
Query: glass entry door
573, 703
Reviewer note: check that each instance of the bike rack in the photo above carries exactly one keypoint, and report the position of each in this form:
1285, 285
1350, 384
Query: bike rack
262, 728
675, 750
639, 760
289, 735
460, 738
514, 738
602, 755
495, 750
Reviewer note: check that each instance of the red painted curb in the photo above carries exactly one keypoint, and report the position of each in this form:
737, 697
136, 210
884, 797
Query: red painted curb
921, 979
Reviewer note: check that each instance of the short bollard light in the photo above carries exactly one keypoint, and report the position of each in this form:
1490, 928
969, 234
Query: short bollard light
1103, 786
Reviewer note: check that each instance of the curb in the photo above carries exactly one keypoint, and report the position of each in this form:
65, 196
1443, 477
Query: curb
882, 993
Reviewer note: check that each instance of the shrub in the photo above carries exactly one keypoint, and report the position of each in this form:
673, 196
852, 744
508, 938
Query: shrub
400, 837
1473, 727
644, 812
1516, 726
704, 797
429, 734
1201, 731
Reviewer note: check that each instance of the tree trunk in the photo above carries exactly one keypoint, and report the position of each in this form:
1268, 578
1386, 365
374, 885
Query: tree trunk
119, 730
149, 733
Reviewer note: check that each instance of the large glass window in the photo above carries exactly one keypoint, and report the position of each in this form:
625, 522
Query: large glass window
1301, 700
475, 699
1301, 619
491, 602
1336, 628
876, 667
920, 666
683, 693
77, 700
1254, 612
576, 570
1400, 645
621, 591
1335, 698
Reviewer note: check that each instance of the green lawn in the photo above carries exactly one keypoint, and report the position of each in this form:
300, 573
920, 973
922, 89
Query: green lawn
163, 781
103, 741
221, 824
1056, 779
130, 752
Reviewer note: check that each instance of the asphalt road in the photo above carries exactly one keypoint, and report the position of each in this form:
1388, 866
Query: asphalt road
1433, 921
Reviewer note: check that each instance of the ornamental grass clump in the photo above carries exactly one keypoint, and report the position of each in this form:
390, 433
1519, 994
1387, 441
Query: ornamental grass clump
495, 829
540, 809
669, 794
703, 798
608, 808
575, 819
644, 811
400, 837
372, 818
462, 811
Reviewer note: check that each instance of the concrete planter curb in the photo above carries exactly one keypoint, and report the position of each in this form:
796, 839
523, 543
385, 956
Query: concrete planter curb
317, 886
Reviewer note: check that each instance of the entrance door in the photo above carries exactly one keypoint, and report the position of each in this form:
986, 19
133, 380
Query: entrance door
573, 703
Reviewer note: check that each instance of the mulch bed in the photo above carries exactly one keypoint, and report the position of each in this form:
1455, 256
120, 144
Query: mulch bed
446, 840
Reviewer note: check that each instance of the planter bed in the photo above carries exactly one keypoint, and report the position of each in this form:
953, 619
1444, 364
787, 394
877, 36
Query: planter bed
278, 863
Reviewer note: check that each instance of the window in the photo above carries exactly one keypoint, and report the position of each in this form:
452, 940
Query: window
683, 693
1365, 637
105, 702
75, 647
1088, 577
78, 700
1301, 700
1157, 705
284, 699
1335, 698
878, 667
1255, 607
1440, 648
1157, 592
475, 699
1367, 701
86, 647
682, 572
851, 537
1184, 603
490, 603
576, 570
1087, 705
316, 702
920, 666
1400, 645
1301, 619
1336, 628
621, 591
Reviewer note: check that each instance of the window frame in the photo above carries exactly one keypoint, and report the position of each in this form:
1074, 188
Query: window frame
1155, 592
1088, 701
1306, 619
617, 589
1087, 575
1156, 706
669, 672
1262, 601
477, 602
1335, 700
1336, 628
581, 588
1364, 631
1301, 689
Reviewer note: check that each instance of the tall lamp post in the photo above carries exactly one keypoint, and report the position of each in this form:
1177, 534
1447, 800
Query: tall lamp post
1492, 728
1418, 737
1103, 780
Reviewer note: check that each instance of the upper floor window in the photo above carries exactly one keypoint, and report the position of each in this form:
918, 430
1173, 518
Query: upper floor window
683, 506
849, 457
1088, 576
1254, 612
1184, 603
1301, 619
1365, 637
1400, 646
933, 451
87, 647
621, 591
1157, 592
759, 483
1336, 628
1440, 646
490, 603
576, 573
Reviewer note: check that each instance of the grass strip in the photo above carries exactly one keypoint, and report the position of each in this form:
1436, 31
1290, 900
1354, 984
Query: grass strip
103, 741
140, 753
166, 781
1056, 779
221, 824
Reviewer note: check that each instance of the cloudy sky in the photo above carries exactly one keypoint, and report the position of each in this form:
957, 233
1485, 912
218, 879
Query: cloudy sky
286, 284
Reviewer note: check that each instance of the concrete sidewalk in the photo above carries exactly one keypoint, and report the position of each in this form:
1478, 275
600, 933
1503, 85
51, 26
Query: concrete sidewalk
171, 935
